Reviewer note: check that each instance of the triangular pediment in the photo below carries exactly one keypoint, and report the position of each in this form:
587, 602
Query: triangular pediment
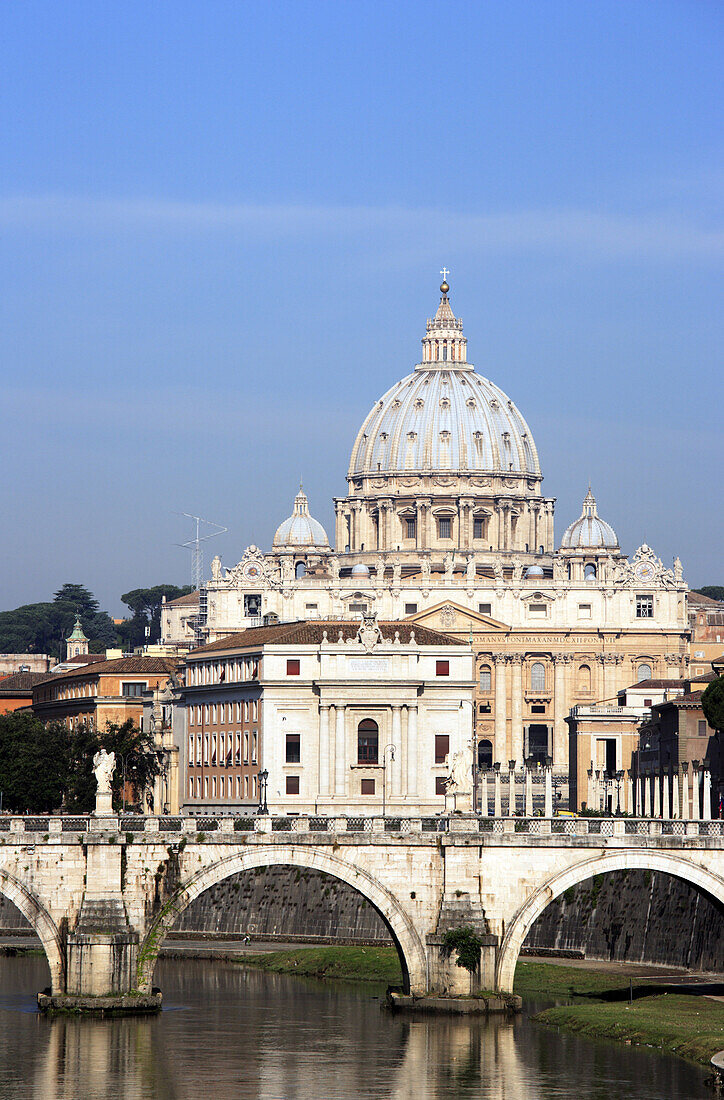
451, 618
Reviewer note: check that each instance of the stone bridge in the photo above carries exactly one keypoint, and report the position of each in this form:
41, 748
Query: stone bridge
103, 891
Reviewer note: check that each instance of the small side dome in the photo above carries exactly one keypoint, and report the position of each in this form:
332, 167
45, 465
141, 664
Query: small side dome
534, 571
589, 531
360, 570
300, 531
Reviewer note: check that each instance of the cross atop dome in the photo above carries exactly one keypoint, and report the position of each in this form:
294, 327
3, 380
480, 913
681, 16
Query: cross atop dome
444, 342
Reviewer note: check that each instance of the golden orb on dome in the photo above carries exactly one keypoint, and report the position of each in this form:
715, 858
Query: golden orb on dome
444, 286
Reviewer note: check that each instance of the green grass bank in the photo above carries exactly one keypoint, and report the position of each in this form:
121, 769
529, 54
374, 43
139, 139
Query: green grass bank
359, 964
680, 1023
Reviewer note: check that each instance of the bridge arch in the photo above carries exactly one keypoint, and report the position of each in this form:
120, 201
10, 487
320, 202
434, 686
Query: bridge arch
628, 860
410, 948
43, 924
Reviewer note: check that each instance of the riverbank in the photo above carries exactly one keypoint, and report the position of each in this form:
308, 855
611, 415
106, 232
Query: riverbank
359, 964
682, 1023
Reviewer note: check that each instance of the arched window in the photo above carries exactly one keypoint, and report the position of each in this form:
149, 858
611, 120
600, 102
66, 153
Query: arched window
368, 739
485, 754
643, 673
300, 569
537, 676
584, 678
485, 678
589, 572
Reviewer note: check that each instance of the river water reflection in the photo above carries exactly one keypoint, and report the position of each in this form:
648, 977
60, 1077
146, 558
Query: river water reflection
228, 1033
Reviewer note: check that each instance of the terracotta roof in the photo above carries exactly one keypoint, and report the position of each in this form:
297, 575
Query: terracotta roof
190, 600
692, 697
645, 684
21, 683
122, 665
84, 659
311, 633
696, 599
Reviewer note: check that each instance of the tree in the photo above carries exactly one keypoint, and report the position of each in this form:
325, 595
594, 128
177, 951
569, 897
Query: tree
135, 756
145, 603
713, 591
82, 601
712, 703
34, 763
43, 627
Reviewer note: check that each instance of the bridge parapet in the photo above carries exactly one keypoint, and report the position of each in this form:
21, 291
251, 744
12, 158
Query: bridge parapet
152, 828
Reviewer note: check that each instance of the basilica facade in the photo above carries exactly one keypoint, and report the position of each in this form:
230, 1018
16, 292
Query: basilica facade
445, 524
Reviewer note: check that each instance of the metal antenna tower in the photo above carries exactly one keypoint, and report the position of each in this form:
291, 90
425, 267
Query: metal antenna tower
194, 545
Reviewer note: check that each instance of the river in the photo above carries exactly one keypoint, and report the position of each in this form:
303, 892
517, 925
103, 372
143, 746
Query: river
233, 1034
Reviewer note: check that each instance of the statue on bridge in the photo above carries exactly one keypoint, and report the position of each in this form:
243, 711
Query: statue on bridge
459, 782
104, 765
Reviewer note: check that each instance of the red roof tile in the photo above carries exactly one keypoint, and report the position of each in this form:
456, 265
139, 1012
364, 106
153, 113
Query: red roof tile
312, 633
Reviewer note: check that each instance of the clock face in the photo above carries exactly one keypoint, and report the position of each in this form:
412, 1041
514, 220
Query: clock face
252, 572
644, 571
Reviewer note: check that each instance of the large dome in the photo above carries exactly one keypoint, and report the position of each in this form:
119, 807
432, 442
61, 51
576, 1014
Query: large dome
300, 530
444, 417
589, 531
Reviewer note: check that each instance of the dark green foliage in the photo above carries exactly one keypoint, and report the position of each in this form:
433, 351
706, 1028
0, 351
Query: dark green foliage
43, 627
713, 591
467, 943
712, 703
130, 745
145, 603
49, 767
34, 763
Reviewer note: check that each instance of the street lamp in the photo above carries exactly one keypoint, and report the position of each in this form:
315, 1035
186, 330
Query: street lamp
263, 780
619, 777
384, 772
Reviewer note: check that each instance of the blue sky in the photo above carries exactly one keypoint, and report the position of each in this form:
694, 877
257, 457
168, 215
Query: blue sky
221, 227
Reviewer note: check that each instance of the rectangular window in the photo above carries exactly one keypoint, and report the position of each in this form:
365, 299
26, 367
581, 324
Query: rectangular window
246, 710
294, 749
538, 708
442, 747
537, 611
644, 607
410, 608
222, 787
584, 611
442, 668
702, 729
255, 710
292, 784
222, 712
246, 747
191, 748
443, 528
254, 745
411, 527
485, 608
358, 606
440, 784
191, 788
367, 786
256, 788
214, 714
246, 786
292, 667
486, 681
310, 606
478, 529
133, 689
213, 786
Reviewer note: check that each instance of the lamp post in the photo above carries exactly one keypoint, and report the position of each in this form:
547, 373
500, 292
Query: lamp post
512, 802
619, 778
263, 781
391, 749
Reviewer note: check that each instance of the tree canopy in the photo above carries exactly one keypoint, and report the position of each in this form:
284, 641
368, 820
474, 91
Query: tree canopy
712, 703
145, 603
49, 767
713, 591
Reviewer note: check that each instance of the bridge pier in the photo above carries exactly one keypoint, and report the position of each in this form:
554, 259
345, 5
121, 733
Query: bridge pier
101, 953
